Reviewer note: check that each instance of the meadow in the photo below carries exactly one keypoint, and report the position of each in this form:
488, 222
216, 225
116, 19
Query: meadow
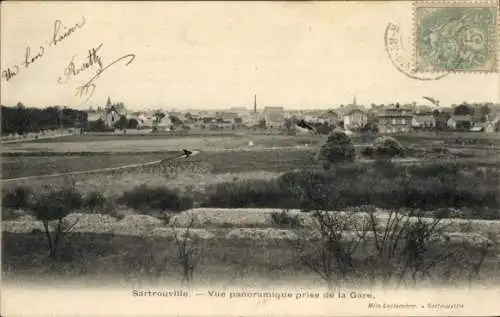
130, 230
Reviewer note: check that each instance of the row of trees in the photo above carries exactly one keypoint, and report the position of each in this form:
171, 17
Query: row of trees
21, 119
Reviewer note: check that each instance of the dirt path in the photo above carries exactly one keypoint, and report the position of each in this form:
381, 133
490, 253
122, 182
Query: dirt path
97, 170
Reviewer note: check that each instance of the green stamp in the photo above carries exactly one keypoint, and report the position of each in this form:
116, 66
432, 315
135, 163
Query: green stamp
456, 37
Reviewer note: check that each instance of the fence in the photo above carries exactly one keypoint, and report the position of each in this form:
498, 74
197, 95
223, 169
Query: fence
10, 138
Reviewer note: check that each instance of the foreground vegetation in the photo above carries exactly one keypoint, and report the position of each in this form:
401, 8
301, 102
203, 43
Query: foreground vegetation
387, 185
340, 249
409, 242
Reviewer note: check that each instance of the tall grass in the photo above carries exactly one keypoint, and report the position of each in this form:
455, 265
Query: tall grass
387, 185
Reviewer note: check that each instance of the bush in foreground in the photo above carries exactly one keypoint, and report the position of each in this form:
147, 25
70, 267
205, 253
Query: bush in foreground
155, 197
385, 148
17, 197
337, 149
396, 249
284, 220
418, 186
246, 194
94, 200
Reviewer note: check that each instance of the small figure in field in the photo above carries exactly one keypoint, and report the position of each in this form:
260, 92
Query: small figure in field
187, 153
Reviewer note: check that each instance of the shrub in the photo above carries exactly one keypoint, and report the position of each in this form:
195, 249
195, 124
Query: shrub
418, 186
94, 200
247, 193
18, 198
368, 152
284, 219
155, 197
337, 149
386, 148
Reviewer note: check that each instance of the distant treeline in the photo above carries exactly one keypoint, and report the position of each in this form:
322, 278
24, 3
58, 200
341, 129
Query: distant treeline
20, 119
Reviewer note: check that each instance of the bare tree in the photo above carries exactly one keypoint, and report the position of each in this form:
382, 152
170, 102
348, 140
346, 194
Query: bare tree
55, 205
328, 249
189, 250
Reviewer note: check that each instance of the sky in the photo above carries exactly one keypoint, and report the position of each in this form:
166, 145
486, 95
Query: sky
211, 55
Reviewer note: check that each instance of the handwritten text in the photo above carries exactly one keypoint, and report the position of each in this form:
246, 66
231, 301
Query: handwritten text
31, 56
92, 60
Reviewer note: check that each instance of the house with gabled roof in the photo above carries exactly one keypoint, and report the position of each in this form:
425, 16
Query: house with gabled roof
355, 119
460, 122
424, 120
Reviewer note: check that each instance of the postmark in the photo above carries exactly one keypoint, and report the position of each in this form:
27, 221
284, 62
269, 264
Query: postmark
398, 47
456, 36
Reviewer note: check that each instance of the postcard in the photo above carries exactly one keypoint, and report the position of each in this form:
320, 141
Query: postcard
331, 158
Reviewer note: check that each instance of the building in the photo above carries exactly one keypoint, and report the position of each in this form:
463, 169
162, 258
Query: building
93, 116
111, 117
331, 117
460, 122
274, 116
395, 120
313, 116
228, 117
486, 127
355, 119
424, 120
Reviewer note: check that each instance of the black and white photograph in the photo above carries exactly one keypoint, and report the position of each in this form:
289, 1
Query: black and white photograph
250, 158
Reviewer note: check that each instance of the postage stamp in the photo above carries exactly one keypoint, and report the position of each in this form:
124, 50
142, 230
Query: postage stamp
456, 36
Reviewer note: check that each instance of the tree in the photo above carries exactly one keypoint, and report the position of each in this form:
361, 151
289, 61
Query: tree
100, 125
262, 123
55, 206
441, 120
463, 109
21, 119
370, 127
158, 116
133, 123
484, 111
323, 128
386, 148
175, 120
288, 124
337, 149
122, 123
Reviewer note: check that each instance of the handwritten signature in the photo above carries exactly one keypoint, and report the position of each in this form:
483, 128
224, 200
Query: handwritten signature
59, 33
92, 59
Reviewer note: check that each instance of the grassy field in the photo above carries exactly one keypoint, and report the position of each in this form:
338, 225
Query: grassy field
160, 143
231, 172
223, 155
13, 167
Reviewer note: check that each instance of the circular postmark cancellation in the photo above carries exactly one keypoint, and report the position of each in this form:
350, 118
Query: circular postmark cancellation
399, 49
456, 37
